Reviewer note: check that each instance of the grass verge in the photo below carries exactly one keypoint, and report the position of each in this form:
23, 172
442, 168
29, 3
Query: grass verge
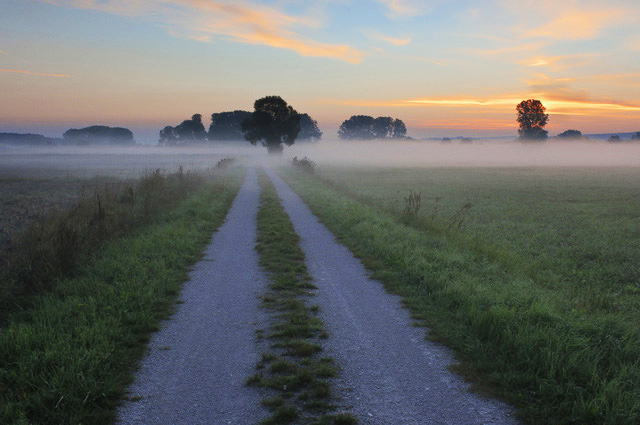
69, 358
293, 367
514, 339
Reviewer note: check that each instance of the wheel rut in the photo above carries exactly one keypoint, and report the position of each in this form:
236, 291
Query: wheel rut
198, 362
390, 374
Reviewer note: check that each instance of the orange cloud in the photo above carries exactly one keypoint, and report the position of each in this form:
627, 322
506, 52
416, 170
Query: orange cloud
42, 74
572, 20
242, 21
465, 123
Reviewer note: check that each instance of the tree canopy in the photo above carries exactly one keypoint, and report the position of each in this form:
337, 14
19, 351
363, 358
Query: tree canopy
532, 119
228, 125
99, 134
273, 123
188, 131
365, 127
571, 134
309, 130
636, 136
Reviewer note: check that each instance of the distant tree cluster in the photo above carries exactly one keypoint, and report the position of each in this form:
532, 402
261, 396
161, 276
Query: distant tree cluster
186, 132
26, 139
99, 134
237, 126
571, 135
365, 127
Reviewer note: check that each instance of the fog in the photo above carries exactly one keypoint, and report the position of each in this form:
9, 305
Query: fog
485, 153
131, 161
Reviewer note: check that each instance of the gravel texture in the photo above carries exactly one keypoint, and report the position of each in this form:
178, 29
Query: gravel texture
198, 362
390, 373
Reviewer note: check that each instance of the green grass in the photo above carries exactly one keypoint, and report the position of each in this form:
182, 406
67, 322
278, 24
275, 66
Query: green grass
538, 291
69, 358
293, 368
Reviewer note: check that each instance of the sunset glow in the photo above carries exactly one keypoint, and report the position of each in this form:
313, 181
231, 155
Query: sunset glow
445, 68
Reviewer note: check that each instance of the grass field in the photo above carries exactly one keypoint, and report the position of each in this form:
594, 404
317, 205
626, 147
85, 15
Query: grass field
535, 285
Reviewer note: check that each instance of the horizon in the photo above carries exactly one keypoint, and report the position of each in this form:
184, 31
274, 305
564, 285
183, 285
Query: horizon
445, 70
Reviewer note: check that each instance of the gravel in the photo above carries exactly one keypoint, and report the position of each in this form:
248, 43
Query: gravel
390, 373
198, 362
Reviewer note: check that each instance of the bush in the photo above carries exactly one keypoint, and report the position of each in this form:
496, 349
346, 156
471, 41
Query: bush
304, 164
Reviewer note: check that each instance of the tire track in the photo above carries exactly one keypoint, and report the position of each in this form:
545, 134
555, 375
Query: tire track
198, 362
390, 373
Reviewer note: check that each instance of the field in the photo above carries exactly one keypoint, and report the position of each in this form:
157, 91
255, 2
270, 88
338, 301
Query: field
531, 274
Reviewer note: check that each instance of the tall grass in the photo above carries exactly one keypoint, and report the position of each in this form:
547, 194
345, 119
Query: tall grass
53, 247
69, 357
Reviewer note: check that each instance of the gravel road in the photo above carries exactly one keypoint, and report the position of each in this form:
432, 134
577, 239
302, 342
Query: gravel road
198, 362
390, 373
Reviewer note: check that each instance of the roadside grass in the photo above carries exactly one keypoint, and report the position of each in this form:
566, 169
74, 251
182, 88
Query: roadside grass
69, 357
55, 244
518, 340
293, 368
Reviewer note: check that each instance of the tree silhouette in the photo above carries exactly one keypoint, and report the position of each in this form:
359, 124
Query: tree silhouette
532, 119
188, 131
273, 123
571, 134
364, 127
636, 136
228, 125
614, 139
99, 134
309, 130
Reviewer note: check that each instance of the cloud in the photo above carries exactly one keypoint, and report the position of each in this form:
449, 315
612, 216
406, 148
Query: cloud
406, 8
42, 74
2, 52
396, 41
569, 19
560, 62
239, 21
550, 96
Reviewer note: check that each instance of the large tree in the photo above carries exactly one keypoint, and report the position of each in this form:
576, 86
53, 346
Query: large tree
99, 134
532, 118
273, 123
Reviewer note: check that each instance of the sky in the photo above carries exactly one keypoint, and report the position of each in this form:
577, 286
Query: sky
446, 68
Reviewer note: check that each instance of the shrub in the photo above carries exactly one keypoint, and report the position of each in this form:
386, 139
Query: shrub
304, 164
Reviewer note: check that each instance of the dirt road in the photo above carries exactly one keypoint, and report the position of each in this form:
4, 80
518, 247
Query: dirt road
198, 362
390, 373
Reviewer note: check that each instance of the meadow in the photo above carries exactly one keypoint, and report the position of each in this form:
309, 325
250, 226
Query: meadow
531, 274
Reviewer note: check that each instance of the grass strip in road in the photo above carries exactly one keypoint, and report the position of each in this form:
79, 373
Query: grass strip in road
70, 357
514, 339
293, 367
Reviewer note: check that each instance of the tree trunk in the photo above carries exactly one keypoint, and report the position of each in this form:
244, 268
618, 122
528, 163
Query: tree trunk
275, 148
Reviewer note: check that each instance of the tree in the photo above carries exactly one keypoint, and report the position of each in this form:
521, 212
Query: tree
364, 127
168, 136
571, 134
191, 130
399, 129
228, 125
357, 127
614, 139
99, 134
273, 123
532, 119
309, 130
185, 132
636, 136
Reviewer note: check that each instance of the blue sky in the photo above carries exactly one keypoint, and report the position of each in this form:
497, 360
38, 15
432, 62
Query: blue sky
444, 67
